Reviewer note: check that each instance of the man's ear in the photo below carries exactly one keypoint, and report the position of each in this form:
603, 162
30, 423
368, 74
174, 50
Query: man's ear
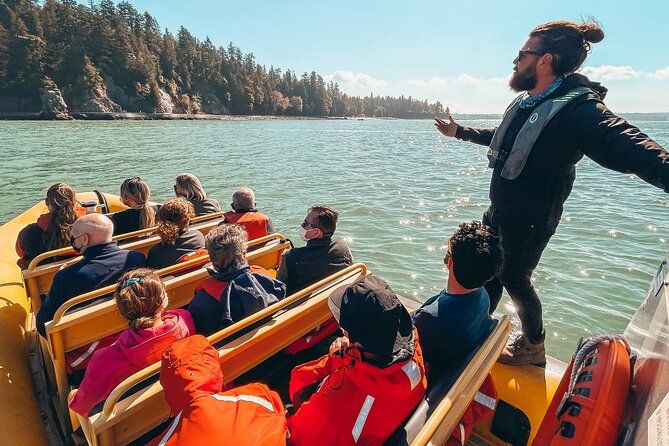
547, 62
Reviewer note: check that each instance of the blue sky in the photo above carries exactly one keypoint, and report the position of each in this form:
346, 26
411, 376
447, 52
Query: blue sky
458, 52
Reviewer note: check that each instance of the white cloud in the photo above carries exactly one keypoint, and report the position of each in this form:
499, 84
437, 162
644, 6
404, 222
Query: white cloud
353, 80
467, 79
660, 75
611, 72
470, 80
434, 82
463, 79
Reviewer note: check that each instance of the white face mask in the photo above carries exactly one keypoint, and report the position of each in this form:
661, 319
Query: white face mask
303, 234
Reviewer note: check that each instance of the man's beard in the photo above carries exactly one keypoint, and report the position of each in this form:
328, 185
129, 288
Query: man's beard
524, 80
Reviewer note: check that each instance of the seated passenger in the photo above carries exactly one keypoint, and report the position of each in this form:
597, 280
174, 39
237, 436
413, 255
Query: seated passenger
141, 299
235, 289
188, 186
191, 376
301, 267
29, 244
102, 264
176, 239
372, 379
135, 194
52, 230
456, 320
244, 213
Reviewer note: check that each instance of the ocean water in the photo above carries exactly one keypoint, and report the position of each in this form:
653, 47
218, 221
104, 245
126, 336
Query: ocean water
400, 187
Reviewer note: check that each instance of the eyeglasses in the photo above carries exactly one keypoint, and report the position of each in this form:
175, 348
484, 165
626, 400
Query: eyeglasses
522, 53
306, 224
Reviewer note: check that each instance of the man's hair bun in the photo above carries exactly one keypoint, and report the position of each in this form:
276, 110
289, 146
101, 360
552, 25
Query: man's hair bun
591, 31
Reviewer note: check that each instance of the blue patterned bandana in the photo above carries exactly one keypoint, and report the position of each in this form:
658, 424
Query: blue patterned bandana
529, 101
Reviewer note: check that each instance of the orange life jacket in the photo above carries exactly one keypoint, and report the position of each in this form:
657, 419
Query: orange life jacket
255, 222
192, 379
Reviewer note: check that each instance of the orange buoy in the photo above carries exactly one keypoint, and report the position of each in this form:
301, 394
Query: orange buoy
587, 407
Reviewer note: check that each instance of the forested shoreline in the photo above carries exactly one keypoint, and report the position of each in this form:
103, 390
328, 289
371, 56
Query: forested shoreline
60, 58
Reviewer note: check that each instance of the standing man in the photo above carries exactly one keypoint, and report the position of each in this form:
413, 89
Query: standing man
557, 119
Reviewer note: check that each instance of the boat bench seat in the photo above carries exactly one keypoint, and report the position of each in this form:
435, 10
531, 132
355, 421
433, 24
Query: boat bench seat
72, 328
38, 278
450, 392
138, 405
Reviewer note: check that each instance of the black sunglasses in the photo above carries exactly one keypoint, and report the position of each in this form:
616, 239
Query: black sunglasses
522, 53
306, 223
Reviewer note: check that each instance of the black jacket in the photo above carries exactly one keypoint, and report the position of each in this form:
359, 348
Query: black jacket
583, 127
204, 207
101, 265
128, 220
163, 255
304, 266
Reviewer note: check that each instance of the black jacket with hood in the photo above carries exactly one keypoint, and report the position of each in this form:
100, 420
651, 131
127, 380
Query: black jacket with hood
585, 126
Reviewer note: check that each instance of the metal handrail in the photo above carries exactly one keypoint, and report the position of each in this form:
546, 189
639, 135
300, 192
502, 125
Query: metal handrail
140, 376
435, 426
68, 250
161, 272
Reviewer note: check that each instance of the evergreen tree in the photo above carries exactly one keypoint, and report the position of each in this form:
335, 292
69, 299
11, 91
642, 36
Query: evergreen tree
83, 47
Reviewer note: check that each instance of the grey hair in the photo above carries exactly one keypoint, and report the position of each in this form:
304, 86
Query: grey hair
227, 247
243, 199
191, 186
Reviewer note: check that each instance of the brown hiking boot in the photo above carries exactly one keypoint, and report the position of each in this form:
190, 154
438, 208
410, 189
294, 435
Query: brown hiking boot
521, 351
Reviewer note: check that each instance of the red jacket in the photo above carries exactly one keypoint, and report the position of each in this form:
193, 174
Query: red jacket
192, 379
357, 403
133, 351
481, 408
255, 222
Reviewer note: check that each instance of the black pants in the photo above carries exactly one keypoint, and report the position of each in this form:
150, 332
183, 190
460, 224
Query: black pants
522, 246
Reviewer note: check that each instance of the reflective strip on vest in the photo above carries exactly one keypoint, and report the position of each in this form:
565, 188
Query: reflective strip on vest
362, 418
248, 398
171, 430
462, 434
485, 400
85, 355
529, 132
412, 372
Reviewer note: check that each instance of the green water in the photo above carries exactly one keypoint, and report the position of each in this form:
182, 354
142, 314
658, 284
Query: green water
400, 188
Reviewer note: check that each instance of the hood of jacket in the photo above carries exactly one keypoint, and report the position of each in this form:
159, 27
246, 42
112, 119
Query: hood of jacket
139, 345
190, 370
578, 79
392, 382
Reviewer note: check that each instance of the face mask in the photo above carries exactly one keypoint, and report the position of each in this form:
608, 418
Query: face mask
73, 243
303, 234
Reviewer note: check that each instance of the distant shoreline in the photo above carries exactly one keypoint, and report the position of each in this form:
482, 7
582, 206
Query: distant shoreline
135, 116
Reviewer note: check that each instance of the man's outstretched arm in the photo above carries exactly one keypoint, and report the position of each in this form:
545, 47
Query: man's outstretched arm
453, 130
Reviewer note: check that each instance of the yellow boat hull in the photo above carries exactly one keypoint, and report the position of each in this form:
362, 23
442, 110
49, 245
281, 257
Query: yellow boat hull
20, 414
